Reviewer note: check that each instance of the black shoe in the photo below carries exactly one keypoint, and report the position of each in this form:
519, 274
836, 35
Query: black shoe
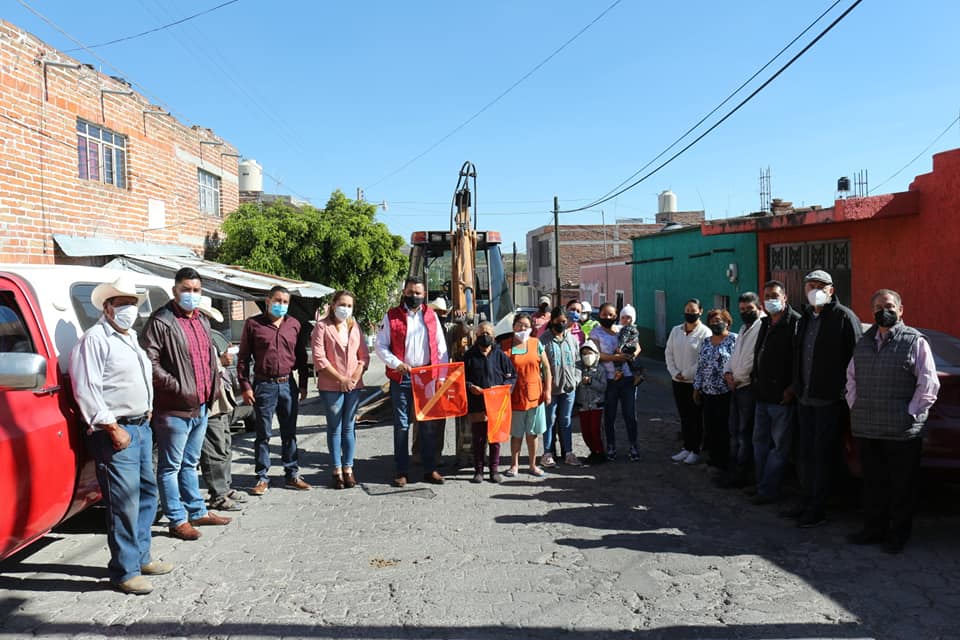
811, 519
865, 537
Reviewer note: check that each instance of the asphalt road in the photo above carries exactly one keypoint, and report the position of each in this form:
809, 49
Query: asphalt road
623, 550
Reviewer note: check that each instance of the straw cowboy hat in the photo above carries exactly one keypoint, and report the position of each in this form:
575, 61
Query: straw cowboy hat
206, 306
439, 304
124, 286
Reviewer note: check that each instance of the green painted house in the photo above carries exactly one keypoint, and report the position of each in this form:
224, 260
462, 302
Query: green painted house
672, 266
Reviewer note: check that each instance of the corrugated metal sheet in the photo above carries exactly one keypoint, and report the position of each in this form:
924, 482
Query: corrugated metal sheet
79, 247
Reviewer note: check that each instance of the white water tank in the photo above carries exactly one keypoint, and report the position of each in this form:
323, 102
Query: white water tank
667, 202
251, 176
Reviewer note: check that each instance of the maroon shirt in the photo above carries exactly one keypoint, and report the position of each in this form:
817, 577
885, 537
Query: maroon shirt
276, 350
198, 345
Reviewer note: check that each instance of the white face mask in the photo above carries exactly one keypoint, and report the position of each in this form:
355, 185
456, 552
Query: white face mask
589, 359
343, 313
125, 316
522, 335
817, 297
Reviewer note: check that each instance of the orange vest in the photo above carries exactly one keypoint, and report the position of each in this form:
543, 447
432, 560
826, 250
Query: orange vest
397, 317
528, 391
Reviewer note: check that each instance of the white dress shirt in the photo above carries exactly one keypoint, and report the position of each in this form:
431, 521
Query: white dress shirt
683, 350
111, 375
417, 347
740, 363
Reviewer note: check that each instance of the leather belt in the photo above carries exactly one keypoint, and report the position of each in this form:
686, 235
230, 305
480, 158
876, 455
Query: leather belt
133, 419
277, 380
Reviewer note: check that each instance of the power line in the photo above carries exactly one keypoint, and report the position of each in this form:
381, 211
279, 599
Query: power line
497, 99
917, 157
787, 65
160, 28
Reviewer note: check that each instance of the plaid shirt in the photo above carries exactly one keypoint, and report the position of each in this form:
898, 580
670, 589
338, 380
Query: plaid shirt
198, 345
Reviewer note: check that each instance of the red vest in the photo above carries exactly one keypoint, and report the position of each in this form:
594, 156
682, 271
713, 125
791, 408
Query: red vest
397, 317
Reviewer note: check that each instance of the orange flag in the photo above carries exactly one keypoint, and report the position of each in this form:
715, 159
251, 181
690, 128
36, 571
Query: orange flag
496, 400
439, 391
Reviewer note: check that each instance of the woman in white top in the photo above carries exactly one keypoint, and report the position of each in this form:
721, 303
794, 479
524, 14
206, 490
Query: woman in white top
682, 353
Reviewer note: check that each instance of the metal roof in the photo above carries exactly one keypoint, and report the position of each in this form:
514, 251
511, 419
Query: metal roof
80, 247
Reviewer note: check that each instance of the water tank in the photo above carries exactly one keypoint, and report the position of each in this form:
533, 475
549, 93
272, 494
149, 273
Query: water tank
843, 184
251, 176
667, 202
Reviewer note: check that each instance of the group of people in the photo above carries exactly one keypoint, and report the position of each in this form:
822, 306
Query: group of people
783, 388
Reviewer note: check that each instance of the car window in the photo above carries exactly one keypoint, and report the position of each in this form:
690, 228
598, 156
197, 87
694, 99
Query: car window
14, 337
88, 315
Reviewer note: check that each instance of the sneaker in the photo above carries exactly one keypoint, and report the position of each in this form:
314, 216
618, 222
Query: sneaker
692, 458
137, 585
611, 454
572, 459
156, 568
634, 455
546, 460
680, 456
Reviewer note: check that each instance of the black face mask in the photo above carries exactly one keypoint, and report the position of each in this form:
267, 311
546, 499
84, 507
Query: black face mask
690, 318
749, 317
886, 317
558, 327
485, 340
413, 302
718, 328
606, 323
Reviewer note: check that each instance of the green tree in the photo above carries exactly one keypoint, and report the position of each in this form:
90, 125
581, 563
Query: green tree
342, 246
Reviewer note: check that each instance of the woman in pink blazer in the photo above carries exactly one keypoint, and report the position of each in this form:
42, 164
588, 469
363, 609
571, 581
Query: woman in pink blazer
340, 356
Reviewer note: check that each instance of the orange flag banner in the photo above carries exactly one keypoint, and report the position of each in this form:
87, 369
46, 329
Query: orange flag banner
439, 391
496, 400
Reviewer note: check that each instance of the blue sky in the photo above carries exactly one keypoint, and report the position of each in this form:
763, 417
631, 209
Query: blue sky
330, 95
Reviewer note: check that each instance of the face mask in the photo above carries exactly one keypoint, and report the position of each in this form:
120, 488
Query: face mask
749, 317
606, 323
189, 300
818, 298
484, 340
125, 316
558, 327
278, 310
718, 328
573, 316
413, 302
886, 317
774, 305
589, 359
522, 335
342, 313
691, 318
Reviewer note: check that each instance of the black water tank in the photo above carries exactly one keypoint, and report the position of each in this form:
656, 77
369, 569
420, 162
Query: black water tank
843, 184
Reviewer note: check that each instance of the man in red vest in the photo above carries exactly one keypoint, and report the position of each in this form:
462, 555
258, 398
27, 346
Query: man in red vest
410, 336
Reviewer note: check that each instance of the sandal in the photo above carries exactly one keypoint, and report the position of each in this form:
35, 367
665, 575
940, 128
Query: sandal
337, 482
538, 473
510, 473
349, 481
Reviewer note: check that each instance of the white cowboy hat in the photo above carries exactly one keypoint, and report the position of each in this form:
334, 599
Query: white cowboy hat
206, 306
123, 286
439, 304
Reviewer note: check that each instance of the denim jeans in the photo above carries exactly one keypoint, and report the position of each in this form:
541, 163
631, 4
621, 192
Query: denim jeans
179, 441
401, 395
620, 392
772, 442
560, 410
820, 452
282, 399
341, 410
129, 489
743, 407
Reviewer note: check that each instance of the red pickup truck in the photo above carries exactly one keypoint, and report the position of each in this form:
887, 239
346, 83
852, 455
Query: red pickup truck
46, 475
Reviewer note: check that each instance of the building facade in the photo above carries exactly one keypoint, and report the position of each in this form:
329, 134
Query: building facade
85, 157
607, 280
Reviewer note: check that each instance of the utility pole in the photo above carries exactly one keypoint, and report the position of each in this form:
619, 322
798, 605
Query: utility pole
556, 243
514, 274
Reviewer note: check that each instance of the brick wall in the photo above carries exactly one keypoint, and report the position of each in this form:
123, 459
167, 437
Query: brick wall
41, 193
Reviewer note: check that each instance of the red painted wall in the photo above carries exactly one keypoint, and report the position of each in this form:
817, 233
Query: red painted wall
917, 255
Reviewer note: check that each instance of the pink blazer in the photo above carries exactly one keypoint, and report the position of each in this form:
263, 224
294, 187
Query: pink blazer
329, 351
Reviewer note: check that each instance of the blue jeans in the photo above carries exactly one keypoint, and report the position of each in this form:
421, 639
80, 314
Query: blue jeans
743, 407
129, 489
401, 395
560, 410
772, 442
341, 410
282, 399
620, 392
179, 441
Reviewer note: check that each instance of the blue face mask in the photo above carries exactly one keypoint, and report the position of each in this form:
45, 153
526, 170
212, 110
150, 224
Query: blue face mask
573, 316
189, 300
278, 310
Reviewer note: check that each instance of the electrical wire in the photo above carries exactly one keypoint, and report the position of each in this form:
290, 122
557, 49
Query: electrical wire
160, 28
497, 99
917, 157
740, 105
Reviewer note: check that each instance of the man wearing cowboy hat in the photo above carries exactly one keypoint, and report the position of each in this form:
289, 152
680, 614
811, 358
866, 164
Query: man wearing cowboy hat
113, 386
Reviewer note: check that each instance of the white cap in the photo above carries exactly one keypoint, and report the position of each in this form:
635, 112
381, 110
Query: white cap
629, 311
586, 307
545, 300
589, 344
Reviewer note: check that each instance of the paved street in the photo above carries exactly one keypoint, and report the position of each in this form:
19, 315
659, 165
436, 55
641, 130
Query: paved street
623, 550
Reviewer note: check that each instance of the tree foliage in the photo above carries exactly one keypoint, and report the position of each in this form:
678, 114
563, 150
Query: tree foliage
342, 246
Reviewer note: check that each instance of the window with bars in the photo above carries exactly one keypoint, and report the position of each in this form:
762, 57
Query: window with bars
101, 155
209, 192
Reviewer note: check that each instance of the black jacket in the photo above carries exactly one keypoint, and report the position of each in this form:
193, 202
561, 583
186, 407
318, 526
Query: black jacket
486, 371
773, 358
839, 331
